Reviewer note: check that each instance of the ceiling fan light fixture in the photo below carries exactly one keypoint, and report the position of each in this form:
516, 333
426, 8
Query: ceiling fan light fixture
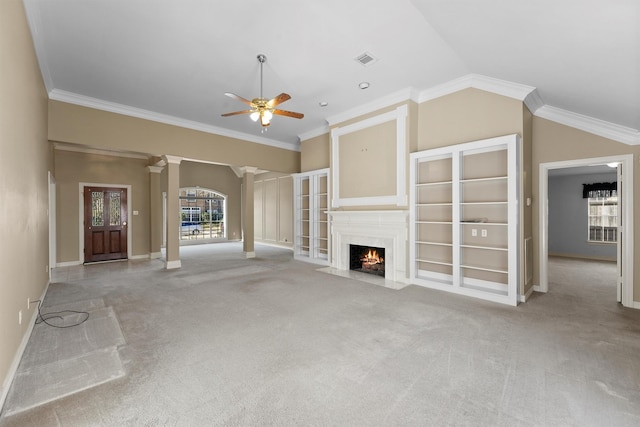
254, 116
268, 115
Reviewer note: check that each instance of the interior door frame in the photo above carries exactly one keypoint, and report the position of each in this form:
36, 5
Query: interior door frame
82, 185
627, 219
53, 257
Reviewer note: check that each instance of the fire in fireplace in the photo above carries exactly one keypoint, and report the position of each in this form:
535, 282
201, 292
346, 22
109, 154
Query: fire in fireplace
367, 259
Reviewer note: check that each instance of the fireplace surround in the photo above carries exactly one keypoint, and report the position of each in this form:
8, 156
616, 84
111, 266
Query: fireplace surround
381, 229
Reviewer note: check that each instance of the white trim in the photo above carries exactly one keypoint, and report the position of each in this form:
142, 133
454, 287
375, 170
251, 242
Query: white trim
627, 219
146, 256
400, 198
525, 297
170, 265
51, 213
112, 107
636, 305
61, 146
174, 160
15, 363
378, 104
82, 185
68, 263
251, 254
314, 133
155, 169
489, 84
155, 255
592, 125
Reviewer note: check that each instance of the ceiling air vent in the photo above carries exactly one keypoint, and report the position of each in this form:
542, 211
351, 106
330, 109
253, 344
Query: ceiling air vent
366, 59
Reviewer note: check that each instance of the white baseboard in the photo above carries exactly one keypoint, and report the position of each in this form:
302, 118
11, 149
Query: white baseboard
249, 254
636, 305
525, 297
13, 369
139, 256
68, 263
155, 255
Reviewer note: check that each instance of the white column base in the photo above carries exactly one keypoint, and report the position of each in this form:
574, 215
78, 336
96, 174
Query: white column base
249, 254
170, 265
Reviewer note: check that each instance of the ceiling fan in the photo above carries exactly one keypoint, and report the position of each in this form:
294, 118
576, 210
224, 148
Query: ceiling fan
262, 108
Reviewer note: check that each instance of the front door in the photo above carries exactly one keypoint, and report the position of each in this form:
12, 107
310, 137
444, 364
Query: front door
105, 224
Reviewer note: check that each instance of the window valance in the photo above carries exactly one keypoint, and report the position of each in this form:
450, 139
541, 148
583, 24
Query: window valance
600, 189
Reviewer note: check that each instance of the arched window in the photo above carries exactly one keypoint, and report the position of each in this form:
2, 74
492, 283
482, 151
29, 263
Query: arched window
202, 214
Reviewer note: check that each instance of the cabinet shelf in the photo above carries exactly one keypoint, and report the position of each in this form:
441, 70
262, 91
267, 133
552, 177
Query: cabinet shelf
491, 178
429, 184
429, 261
489, 248
483, 223
478, 268
434, 204
434, 222
419, 242
501, 202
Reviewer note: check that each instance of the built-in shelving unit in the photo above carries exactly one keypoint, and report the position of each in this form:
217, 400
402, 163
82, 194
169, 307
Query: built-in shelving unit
311, 223
464, 218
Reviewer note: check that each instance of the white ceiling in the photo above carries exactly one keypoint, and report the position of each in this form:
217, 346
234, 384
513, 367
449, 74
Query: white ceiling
177, 58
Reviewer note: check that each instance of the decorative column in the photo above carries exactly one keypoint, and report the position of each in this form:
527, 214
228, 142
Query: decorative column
155, 212
172, 259
248, 173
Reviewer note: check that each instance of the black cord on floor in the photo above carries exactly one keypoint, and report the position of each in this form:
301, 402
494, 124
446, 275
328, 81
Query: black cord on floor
58, 315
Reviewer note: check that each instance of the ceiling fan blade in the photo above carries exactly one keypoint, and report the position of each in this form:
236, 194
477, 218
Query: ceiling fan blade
278, 100
238, 98
288, 114
237, 112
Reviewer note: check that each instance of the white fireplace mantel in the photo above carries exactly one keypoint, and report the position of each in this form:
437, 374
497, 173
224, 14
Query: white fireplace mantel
383, 229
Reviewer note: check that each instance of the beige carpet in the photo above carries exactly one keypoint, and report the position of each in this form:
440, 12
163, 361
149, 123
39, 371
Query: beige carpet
272, 341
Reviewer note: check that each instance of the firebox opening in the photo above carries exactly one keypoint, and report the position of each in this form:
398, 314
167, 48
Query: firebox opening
366, 259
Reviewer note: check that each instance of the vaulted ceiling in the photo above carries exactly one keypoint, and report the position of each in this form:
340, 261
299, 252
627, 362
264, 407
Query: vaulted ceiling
173, 60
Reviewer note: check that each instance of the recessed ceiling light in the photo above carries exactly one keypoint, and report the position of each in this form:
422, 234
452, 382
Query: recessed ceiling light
364, 85
323, 103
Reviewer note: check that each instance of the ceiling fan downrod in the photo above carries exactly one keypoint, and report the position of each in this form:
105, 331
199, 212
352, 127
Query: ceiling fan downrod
261, 59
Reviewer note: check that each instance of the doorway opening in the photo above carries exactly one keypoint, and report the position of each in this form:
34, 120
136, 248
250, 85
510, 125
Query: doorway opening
593, 217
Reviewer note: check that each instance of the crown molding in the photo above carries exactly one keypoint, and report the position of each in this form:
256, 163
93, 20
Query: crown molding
592, 125
378, 104
313, 133
489, 84
59, 146
112, 107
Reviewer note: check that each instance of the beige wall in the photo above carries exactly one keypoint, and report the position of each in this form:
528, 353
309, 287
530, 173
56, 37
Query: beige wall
273, 209
314, 153
553, 142
368, 161
72, 168
101, 129
221, 179
468, 115
25, 160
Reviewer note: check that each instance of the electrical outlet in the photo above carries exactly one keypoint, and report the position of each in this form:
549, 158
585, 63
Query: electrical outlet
474, 232
484, 233
20, 317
